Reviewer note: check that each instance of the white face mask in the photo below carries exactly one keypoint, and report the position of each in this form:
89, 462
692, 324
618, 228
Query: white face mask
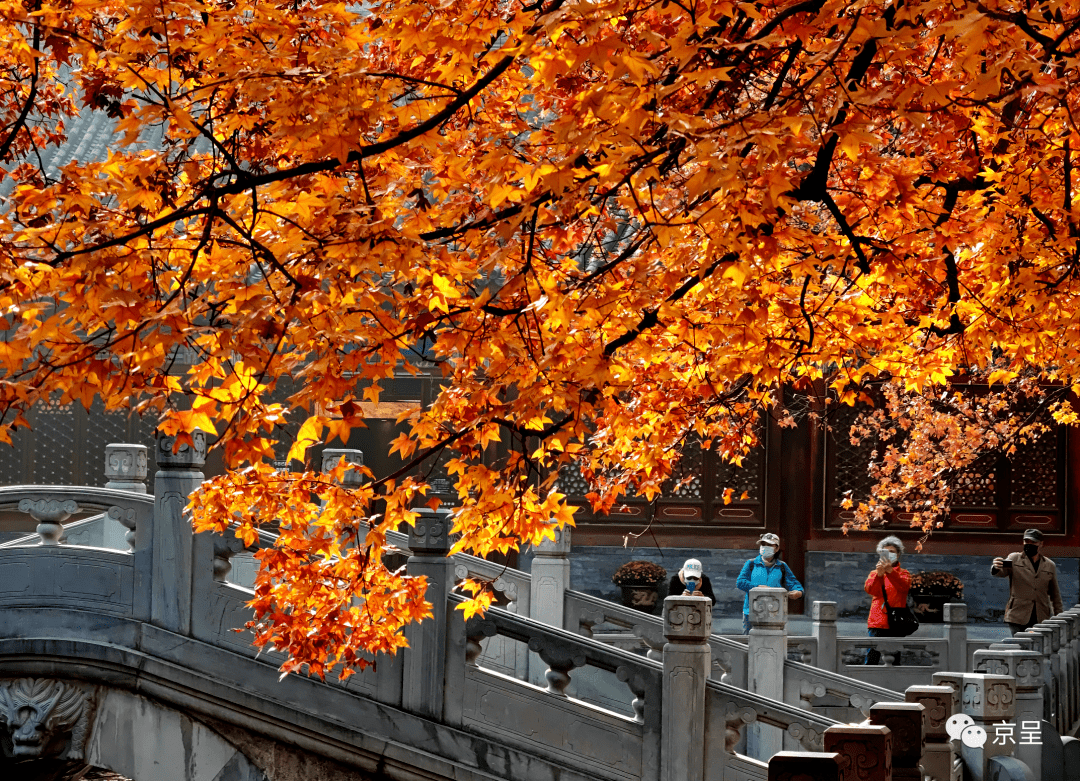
767, 551
889, 556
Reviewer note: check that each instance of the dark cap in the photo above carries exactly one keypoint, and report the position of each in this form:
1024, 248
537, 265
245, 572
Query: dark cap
1033, 534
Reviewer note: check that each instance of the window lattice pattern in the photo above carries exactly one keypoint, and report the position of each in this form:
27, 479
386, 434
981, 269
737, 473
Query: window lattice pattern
1034, 473
54, 445
11, 458
976, 488
852, 461
741, 480
689, 472
571, 481
106, 428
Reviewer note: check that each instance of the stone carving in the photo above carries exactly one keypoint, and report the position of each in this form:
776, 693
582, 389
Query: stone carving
476, 629
800, 652
808, 737
824, 611
224, 549
50, 515
45, 718
767, 610
561, 658
939, 703
560, 546
508, 588
430, 534
331, 457
587, 619
126, 518
733, 724
1024, 666
862, 703
186, 456
808, 691
687, 619
636, 683
905, 720
866, 752
125, 467
955, 613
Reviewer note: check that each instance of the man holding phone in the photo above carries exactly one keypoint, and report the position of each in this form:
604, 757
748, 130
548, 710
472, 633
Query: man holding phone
1034, 595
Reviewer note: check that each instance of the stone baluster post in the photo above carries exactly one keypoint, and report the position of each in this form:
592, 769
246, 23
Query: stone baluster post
125, 470
355, 458
547, 593
126, 467
905, 722
765, 662
806, 766
956, 634
1039, 644
988, 700
687, 662
1025, 667
1072, 615
1050, 646
424, 662
939, 704
550, 580
865, 751
824, 615
1061, 626
177, 550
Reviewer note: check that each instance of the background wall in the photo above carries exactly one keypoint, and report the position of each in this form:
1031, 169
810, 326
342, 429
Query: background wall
829, 575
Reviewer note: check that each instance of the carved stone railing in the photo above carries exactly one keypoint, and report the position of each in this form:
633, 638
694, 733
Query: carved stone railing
602, 744
588, 615
728, 709
51, 505
811, 688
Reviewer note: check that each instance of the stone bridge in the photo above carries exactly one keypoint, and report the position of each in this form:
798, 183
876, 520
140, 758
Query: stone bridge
118, 653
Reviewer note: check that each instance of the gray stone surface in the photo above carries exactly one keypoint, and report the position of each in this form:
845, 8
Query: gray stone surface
839, 577
835, 577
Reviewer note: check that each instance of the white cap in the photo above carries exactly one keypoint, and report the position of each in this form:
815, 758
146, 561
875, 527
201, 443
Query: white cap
692, 569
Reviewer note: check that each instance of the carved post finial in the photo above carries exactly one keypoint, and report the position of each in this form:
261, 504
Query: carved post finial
332, 456
905, 721
185, 456
125, 467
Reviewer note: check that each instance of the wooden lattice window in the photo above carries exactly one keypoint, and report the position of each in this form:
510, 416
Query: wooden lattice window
696, 495
66, 445
999, 494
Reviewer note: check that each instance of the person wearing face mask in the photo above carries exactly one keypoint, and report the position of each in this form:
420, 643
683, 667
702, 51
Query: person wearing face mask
691, 576
1034, 595
896, 581
766, 570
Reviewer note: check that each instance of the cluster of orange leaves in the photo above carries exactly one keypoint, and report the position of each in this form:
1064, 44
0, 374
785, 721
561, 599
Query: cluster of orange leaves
607, 225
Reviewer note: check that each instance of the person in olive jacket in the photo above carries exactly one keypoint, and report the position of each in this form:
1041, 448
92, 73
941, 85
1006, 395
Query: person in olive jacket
1034, 595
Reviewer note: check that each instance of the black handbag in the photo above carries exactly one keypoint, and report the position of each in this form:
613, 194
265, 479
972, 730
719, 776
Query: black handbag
902, 621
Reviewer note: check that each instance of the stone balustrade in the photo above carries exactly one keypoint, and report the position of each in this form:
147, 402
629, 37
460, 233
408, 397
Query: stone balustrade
680, 715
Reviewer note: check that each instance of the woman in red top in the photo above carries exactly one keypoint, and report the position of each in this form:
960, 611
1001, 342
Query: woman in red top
896, 580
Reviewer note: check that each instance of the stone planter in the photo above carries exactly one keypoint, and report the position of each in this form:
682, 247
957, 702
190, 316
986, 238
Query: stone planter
930, 608
641, 597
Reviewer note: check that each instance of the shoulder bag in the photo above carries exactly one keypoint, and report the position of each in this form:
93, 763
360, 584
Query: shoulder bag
902, 621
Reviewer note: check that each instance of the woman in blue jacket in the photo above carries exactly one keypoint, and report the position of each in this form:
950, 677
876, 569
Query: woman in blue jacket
766, 570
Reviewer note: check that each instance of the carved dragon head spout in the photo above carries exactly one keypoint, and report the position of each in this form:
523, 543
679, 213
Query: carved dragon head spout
42, 717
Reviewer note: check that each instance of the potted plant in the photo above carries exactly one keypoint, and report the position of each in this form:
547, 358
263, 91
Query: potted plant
930, 591
638, 581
